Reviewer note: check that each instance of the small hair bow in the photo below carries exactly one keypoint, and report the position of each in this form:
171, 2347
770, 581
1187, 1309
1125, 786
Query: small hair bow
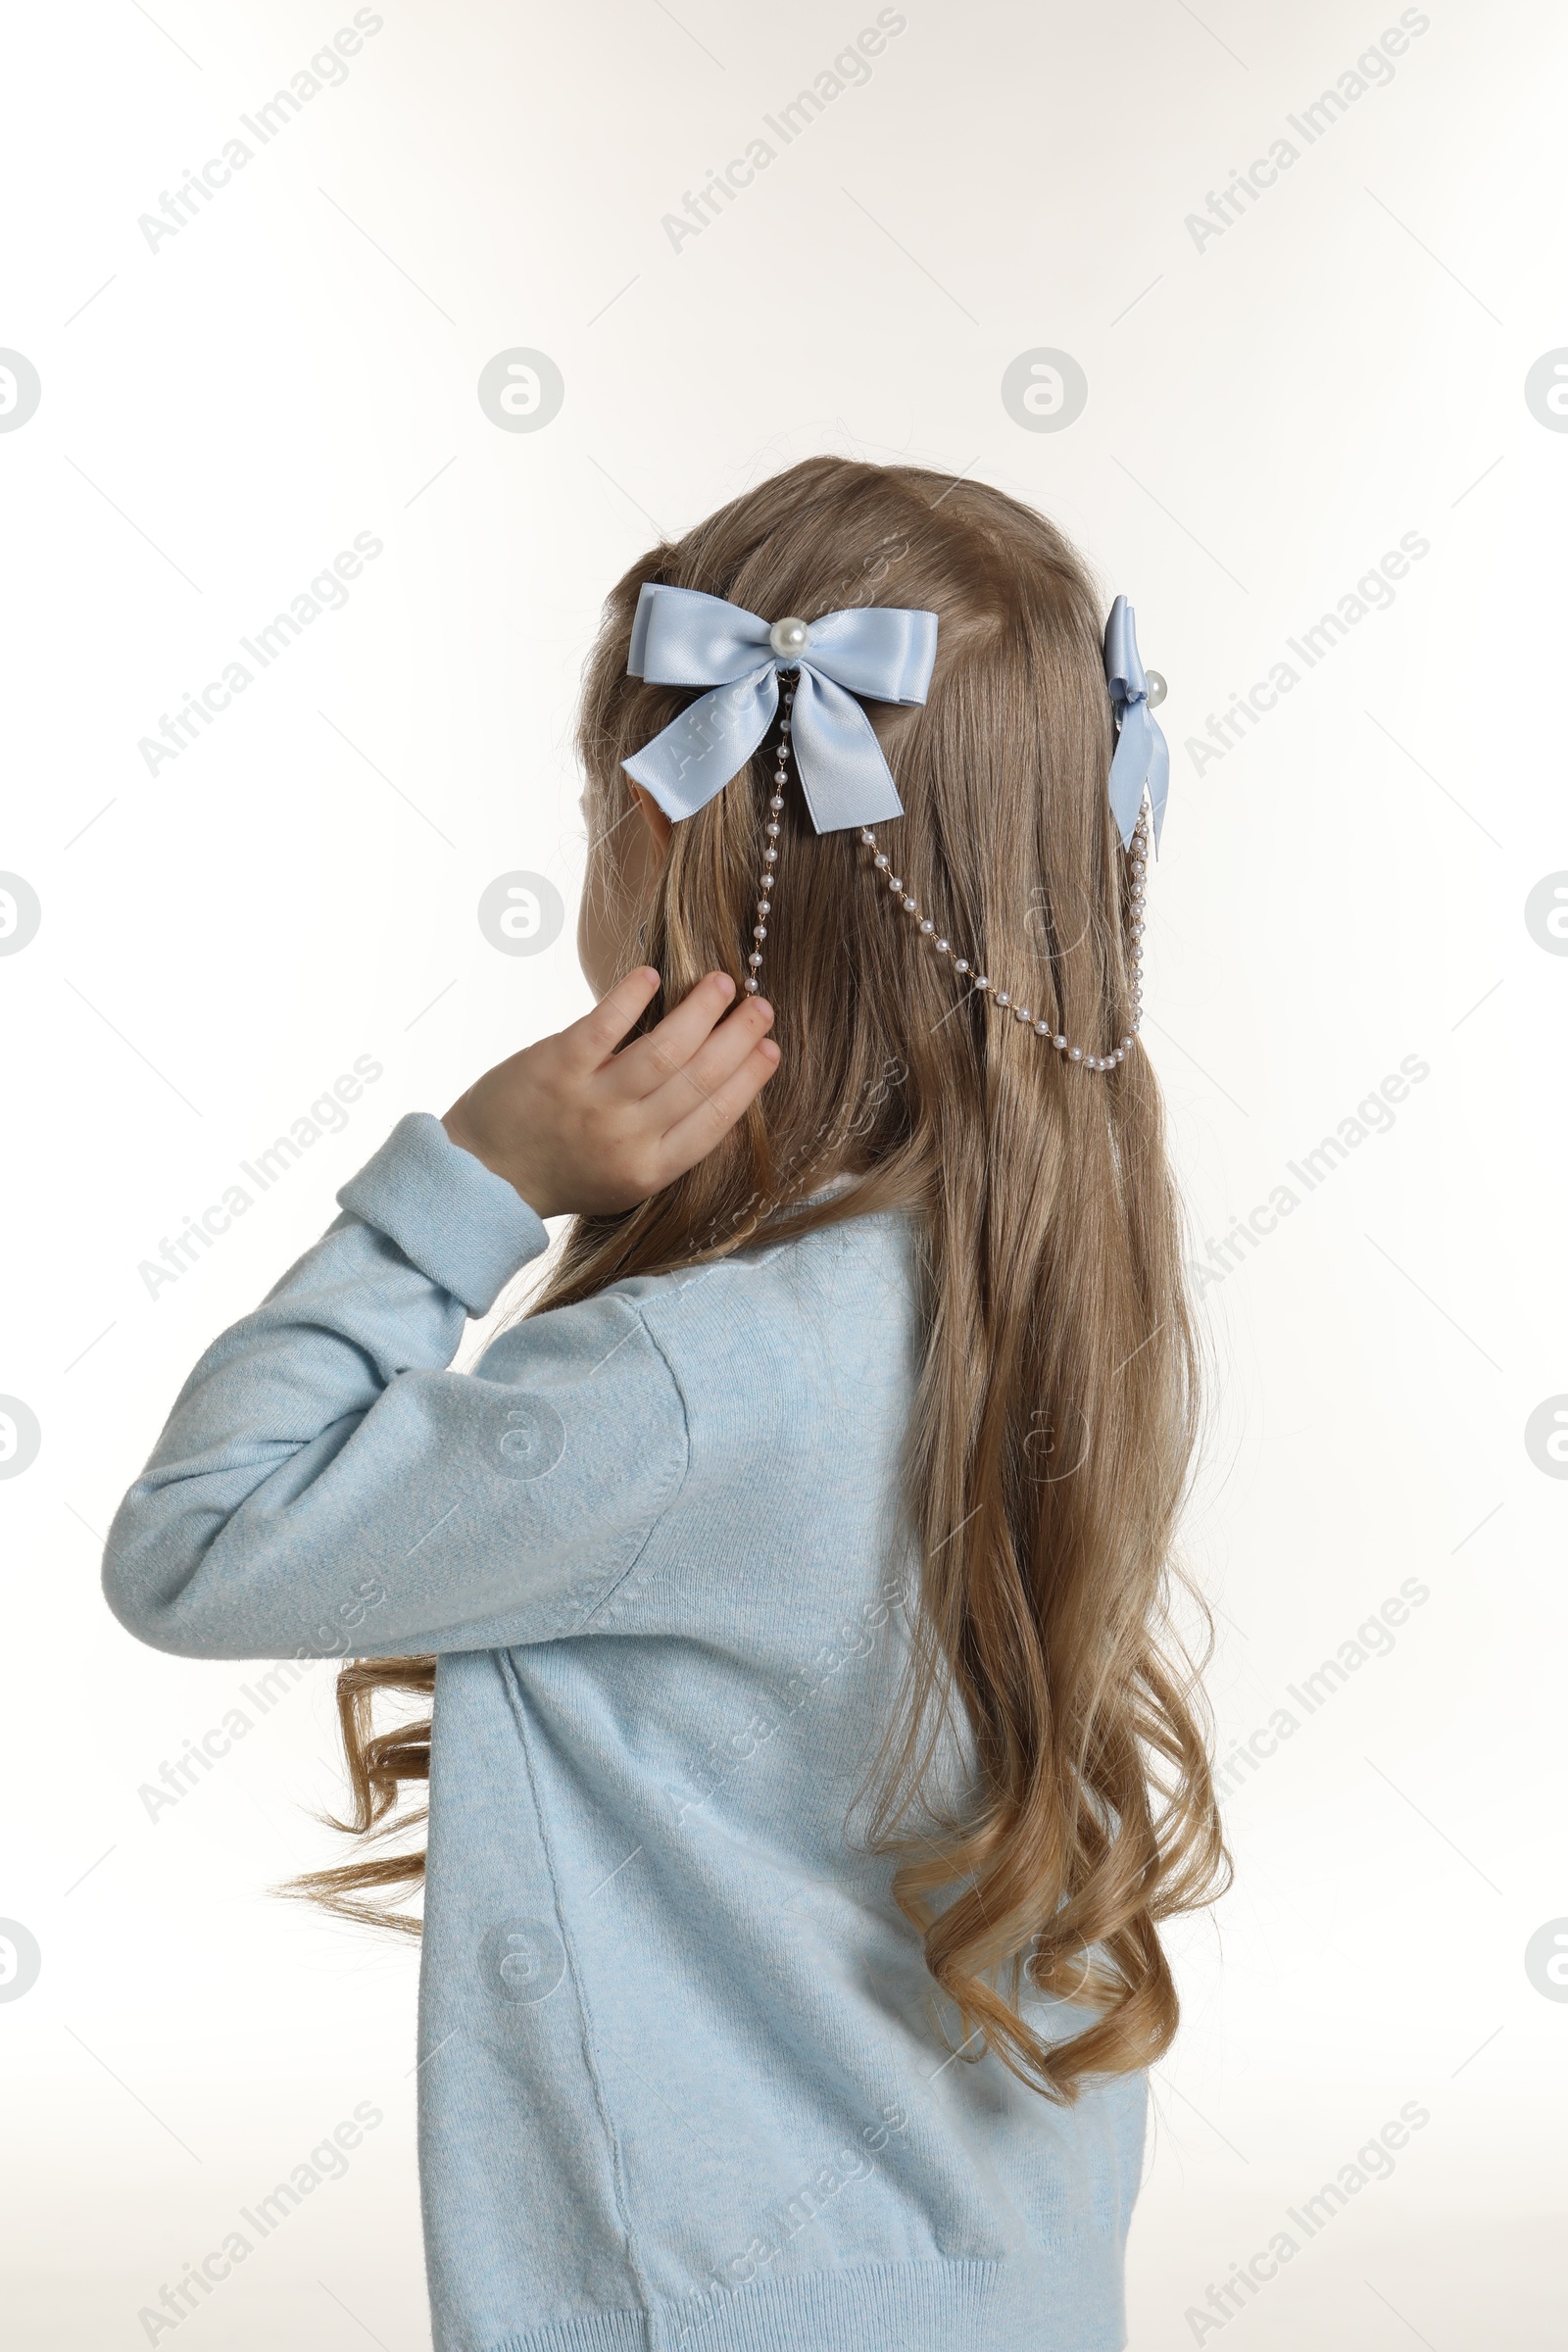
1142, 756
681, 637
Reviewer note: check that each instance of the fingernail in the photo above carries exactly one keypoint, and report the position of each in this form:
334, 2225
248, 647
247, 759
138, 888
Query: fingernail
769, 1049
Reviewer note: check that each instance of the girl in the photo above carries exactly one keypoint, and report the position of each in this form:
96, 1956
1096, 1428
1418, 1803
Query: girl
809, 1772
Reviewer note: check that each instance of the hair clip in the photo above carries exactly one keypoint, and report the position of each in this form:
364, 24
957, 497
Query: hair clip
681, 637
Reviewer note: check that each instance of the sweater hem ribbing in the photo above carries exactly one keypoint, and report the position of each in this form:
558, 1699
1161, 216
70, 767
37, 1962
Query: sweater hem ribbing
1071, 2300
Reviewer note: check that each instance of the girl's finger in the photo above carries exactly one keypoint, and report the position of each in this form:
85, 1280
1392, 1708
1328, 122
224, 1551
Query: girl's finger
692, 1138
721, 1054
596, 1035
650, 1062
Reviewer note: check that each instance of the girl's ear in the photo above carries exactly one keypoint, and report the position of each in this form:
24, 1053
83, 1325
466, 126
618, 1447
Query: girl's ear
658, 823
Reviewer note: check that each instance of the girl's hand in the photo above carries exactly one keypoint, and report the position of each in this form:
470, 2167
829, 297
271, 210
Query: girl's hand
573, 1125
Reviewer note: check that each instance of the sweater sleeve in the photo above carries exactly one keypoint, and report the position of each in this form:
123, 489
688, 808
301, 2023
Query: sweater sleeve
325, 1487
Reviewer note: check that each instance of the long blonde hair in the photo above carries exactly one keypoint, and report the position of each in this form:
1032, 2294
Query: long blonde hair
1054, 1425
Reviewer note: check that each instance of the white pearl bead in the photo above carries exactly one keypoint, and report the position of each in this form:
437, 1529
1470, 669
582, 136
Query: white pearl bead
981, 981
1060, 1044
770, 856
754, 959
789, 637
751, 988
773, 827
880, 861
894, 883
765, 906
942, 948
1020, 1012
759, 930
1041, 1028
910, 906
961, 964
928, 928
1075, 1054
1004, 998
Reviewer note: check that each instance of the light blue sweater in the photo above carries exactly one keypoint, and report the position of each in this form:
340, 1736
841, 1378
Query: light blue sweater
682, 2088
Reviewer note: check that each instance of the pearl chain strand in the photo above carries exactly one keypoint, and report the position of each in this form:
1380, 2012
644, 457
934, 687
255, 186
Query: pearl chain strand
770, 853
983, 986
1001, 998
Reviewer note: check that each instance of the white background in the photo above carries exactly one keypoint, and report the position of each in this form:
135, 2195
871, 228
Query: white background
1267, 413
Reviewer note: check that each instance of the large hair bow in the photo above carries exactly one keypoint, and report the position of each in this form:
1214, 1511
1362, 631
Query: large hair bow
681, 637
1142, 756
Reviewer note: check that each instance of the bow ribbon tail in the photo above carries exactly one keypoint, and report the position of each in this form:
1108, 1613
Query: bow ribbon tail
697, 754
1159, 779
1142, 759
844, 776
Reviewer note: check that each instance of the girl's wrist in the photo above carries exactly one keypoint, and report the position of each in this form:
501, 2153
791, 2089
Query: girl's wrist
523, 1181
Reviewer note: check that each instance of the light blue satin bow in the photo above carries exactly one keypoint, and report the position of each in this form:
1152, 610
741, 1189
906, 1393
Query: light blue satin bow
1142, 756
681, 637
